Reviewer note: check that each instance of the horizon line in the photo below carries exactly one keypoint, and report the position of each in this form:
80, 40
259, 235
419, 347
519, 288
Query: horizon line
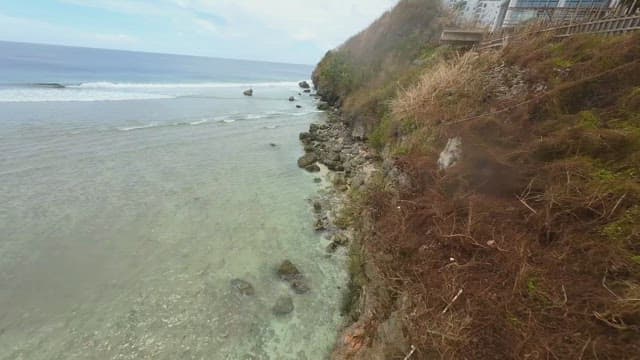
153, 53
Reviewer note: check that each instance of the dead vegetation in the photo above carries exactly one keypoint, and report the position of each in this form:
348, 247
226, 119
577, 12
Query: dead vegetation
529, 246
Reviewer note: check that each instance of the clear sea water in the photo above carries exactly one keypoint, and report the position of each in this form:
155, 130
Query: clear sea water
135, 189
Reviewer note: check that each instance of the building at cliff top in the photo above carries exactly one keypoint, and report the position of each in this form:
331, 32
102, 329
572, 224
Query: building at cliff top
498, 14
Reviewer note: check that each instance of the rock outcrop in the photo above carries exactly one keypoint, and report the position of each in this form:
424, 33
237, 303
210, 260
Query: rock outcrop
304, 85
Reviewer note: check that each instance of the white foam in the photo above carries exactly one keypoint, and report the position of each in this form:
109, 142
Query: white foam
110, 85
199, 122
60, 95
140, 127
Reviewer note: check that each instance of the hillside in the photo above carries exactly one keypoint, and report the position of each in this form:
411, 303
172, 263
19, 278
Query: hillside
505, 222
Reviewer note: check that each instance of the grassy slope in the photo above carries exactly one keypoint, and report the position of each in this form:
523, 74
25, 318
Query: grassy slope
538, 223
365, 72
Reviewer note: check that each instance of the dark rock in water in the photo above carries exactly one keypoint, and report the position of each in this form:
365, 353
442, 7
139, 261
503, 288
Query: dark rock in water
283, 306
317, 180
273, 144
317, 206
242, 287
305, 137
332, 247
320, 225
288, 271
248, 92
323, 106
304, 85
299, 106
300, 286
51, 85
307, 91
306, 160
313, 168
292, 99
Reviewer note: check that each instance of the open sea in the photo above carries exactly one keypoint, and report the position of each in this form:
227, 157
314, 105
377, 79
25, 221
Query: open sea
135, 187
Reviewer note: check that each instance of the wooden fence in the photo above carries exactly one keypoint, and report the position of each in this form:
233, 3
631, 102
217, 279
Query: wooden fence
608, 26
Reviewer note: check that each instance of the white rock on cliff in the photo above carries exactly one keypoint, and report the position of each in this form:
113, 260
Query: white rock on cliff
451, 153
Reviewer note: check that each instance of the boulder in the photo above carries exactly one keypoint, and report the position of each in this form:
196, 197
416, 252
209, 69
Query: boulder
307, 160
304, 85
305, 137
317, 205
248, 92
287, 271
292, 99
283, 306
313, 168
299, 286
299, 106
307, 91
242, 287
323, 106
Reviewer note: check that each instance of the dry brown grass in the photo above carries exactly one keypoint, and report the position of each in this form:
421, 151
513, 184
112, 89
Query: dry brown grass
528, 247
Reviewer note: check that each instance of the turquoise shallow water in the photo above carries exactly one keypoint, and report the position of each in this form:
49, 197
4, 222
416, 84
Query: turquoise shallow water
123, 223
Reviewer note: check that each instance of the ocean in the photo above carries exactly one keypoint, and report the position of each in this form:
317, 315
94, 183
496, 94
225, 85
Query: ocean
135, 188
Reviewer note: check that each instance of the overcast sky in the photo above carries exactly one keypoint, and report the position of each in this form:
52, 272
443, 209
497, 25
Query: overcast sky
295, 31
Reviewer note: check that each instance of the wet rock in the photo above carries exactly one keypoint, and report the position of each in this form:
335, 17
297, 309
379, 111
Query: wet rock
273, 144
305, 137
313, 168
323, 106
292, 99
242, 287
320, 225
307, 160
317, 205
307, 91
287, 271
304, 85
300, 286
283, 306
248, 92
317, 180
299, 106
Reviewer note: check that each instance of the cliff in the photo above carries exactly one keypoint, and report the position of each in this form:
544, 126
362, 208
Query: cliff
505, 222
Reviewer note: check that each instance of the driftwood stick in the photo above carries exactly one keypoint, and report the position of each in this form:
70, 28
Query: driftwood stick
452, 301
410, 354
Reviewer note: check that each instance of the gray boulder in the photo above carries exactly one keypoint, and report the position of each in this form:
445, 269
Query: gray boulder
242, 287
307, 160
283, 306
288, 271
248, 92
304, 85
292, 99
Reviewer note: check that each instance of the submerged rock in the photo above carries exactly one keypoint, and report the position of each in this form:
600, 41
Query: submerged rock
307, 91
248, 92
242, 287
288, 271
299, 106
313, 168
300, 286
283, 306
292, 99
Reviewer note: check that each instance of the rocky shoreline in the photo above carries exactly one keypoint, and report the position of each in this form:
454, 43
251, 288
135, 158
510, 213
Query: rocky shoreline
352, 167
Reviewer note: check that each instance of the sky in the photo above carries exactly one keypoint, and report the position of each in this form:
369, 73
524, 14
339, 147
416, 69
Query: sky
292, 31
